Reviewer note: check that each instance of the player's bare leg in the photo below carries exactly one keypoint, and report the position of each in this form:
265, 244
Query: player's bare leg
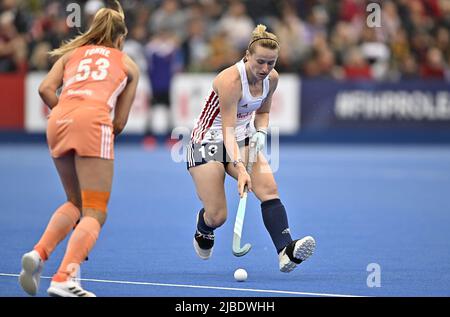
95, 179
209, 183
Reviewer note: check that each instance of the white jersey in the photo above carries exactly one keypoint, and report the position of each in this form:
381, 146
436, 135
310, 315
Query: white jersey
208, 126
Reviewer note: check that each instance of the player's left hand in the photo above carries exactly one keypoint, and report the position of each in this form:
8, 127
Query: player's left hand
259, 138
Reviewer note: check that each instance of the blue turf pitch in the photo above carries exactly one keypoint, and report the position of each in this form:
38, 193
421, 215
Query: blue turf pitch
388, 205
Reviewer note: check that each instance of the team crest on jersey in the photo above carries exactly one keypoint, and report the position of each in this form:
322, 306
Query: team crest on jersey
213, 134
243, 115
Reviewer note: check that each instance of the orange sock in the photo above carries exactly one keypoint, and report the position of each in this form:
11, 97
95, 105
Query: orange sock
62, 221
80, 244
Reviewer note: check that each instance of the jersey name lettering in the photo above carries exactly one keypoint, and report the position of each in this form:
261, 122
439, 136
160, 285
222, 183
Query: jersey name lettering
98, 50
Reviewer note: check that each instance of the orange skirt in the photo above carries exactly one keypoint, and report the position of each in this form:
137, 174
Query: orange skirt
86, 130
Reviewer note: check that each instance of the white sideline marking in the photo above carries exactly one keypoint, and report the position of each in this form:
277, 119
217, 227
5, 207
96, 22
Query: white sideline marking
201, 286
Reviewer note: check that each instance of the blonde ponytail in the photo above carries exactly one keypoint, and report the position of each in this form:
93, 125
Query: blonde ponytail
107, 26
263, 38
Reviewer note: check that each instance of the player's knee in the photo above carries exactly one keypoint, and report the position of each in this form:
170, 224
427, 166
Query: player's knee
267, 191
216, 218
75, 198
76, 201
100, 216
95, 204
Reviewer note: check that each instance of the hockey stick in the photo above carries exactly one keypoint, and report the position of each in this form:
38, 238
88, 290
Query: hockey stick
240, 215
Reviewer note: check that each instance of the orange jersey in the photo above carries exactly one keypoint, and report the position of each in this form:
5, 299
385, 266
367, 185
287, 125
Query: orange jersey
93, 75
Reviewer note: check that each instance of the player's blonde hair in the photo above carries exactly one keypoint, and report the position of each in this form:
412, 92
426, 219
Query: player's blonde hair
263, 38
107, 26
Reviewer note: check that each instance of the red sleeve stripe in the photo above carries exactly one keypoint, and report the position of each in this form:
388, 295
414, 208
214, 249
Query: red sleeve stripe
207, 117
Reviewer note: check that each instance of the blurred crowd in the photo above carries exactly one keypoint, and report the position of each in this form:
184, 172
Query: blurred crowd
325, 39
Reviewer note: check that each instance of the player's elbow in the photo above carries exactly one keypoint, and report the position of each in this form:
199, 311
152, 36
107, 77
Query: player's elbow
44, 90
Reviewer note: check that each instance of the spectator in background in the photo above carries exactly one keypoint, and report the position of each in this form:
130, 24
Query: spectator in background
400, 46
350, 10
212, 11
326, 65
342, 37
39, 59
408, 68
290, 30
390, 20
20, 17
264, 11
48, 31
315, 24
320, 42
434, 67
164, 60
418, 16
324, 60
134, 47
195, 11
222, 52
420, 44
195, 48
310, 67
355, 66
443, 40
237, 25
321, 64
212, 31
169, 16
13, 47
209, 12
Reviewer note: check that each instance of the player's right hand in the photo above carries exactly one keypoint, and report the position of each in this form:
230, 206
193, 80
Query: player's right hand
243, 181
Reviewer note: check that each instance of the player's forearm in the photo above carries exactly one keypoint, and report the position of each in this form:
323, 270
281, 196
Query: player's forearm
232, 148
230, 143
